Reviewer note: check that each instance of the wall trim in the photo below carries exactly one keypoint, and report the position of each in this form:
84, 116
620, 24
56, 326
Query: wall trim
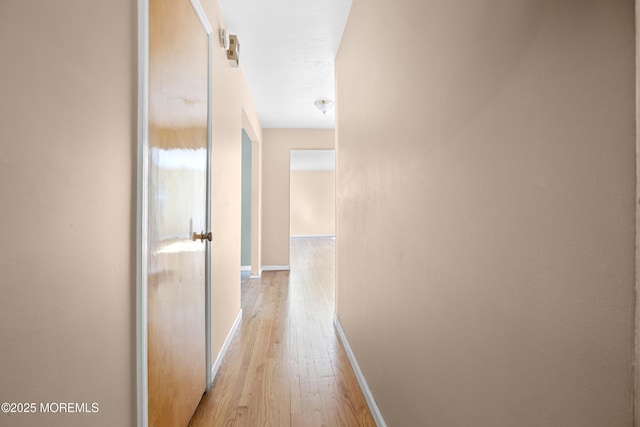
225, 346
371, 401
245, 268
142, 351
275, 268
202, 16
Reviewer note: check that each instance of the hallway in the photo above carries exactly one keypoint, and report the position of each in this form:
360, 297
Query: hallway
286, 365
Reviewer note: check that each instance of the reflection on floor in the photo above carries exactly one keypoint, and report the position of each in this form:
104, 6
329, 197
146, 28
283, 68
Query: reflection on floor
286, 365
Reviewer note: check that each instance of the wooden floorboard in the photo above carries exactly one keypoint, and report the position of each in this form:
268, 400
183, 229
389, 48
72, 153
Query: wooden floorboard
286, 366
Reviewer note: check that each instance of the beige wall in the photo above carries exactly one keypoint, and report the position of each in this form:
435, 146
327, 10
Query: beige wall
256, 207
67, 185
277, 145
233, 109
68, 136
313, 203
485, 222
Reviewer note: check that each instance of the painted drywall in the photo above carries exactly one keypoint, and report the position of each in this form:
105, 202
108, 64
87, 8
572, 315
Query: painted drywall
245, 245
485, 209
277, 144
313, 160
313, 203
68, 137
233, 110
67, 185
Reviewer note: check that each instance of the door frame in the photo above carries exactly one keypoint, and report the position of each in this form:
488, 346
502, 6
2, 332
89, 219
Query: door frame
142, 208
251, 198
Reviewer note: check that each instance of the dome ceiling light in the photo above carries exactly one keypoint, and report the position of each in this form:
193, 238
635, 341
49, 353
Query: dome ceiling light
324, 105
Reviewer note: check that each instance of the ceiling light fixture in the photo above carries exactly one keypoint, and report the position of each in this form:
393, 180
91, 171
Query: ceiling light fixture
323, 105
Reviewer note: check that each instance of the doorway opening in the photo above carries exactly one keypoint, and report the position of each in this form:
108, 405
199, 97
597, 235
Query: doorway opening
312, 213
173, 218
312, 195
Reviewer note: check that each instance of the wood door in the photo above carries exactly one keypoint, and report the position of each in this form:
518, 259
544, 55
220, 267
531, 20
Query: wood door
178, 59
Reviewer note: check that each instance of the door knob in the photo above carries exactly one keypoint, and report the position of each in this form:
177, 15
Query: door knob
202, 236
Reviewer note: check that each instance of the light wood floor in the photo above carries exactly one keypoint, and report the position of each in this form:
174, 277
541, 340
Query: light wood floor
286, 365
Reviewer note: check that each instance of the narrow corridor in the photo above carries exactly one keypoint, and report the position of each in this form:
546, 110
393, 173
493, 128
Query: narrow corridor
286, 365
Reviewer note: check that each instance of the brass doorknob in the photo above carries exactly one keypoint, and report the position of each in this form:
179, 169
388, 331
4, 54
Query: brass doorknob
202, 236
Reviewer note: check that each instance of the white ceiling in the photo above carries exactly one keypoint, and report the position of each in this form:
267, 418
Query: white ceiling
287, 51
313, 160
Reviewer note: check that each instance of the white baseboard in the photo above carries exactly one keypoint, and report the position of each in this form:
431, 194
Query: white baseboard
225, 346
373, 406
274, 268
244, 268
